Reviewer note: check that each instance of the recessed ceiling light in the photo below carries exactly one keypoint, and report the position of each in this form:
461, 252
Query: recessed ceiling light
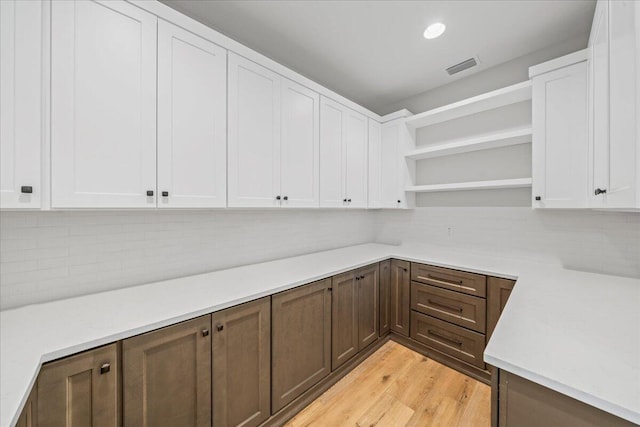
434, 30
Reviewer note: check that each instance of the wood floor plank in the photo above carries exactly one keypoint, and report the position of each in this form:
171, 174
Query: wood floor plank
398, 387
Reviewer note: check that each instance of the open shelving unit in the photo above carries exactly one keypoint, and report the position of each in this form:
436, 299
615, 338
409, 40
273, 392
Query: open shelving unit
503, 97
487, 101
473, 185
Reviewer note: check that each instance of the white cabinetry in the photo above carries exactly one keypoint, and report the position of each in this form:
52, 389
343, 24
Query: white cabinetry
21, 104
560, 137
343, 156
192, 120
615, 105
273, 139
103, 106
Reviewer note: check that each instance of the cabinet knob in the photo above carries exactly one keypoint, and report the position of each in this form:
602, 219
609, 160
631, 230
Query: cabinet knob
285, 198
404, 269
165, 194
344, 200
349, 200
278, 197
538, 198
220, 328
357, 277
399, 201
26, 189
106, 367
149, 193
362, 277
600, 191
205, 332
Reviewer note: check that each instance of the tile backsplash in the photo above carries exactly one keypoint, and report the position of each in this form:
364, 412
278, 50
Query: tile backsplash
601, 242
52, 255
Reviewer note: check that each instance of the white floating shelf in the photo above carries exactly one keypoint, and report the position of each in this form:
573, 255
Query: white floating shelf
475, 185
483, 142
487, 101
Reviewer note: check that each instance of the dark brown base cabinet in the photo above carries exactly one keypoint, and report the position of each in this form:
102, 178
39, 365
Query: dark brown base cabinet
80, 390
300, 341
523, 403
385, 303
167, 376
242, 364
260, 362
400, 297
354, 313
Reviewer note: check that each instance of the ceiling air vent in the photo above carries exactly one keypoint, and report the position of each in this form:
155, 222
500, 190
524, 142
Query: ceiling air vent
464, 65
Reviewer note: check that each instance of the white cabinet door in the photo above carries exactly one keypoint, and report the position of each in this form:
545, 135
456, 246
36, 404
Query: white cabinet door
21, 103
599, 102
103, 106
375, 165
192, 120
300, 146
624, 108
254, 135
389, 172
560, 138
332, 119
355, 154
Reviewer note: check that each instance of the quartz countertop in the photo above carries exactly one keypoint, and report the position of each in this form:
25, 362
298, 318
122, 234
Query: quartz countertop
577, 333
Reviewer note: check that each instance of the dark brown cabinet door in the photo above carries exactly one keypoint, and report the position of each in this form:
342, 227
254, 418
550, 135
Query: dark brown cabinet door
80, 390
385, 287
29, 415
242, 364
367, 283
167, 376
300, 341
399, 296
344, 318
498, 291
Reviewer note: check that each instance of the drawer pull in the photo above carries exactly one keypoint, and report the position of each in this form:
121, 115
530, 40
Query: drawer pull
106, 367
450, 307
454, 283
451, 340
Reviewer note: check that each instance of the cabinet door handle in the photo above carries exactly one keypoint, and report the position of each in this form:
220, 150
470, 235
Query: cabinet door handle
451, 340
149, 193
26, 189
278, 197
362, 276
220, 328
106, 367
285, 198
165, 194
450, 307
349, 200
205, 332
344, 200
404, 269
538, 198
600, 191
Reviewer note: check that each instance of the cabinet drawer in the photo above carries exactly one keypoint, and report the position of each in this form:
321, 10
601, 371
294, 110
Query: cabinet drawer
458, 342
454, 307
460, 281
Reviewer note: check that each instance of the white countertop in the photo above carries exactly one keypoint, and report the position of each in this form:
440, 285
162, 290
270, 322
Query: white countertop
577, 333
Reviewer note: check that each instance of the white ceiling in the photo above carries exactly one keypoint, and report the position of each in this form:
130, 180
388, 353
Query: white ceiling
373, 52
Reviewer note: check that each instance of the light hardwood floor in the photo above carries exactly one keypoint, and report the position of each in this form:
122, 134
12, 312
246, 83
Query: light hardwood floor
398, 387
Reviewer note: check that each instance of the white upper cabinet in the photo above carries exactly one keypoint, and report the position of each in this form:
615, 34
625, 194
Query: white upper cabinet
192, 120
615, 105
560, 138
103, 106
300, 146
343, 156
21, 103
375, 164
254, 135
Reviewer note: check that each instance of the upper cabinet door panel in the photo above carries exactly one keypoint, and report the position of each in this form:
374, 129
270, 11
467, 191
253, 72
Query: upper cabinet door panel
254, 134
560, 140
375, 165
599, 100
300, 145
624, 111
192, 120
332, 122
21, 103
355, 159
103, 105
389, 172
